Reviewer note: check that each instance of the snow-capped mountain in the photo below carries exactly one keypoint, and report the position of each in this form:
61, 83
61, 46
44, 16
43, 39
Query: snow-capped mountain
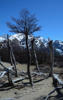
19, 41
22, 40
2, 39
58, 45
45, 41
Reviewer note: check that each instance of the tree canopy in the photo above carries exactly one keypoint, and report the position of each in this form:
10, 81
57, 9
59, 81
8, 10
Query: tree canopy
26, 23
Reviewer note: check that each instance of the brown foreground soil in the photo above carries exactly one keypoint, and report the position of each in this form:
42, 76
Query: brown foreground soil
23, 91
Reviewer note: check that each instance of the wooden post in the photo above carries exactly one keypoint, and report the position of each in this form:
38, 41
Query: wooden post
12, 58
35, 56
9, 78
9, 49
14, 61
51, 58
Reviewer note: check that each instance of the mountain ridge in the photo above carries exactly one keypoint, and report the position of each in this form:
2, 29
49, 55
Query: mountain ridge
40, 42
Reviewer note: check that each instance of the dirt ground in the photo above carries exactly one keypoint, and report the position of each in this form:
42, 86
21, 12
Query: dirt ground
23, 91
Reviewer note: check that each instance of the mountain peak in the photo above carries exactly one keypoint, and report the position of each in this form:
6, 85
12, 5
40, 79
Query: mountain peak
40, 43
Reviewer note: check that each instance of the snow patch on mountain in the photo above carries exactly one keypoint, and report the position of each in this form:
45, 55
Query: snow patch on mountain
45, 41
60, 43
37, 42
18, 36
2, 39
59, 50
42, 39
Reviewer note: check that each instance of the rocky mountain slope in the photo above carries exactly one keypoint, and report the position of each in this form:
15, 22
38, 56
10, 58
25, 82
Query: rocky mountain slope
18, 41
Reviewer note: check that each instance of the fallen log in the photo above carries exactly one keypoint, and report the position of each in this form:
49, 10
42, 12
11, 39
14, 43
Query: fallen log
4, 72
36, 73
6, 67
56, 79
19, 79
9, 98
15, 80
3, 65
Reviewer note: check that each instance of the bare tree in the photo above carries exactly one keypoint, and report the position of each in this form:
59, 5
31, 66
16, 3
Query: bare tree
27, 24
35, 56
12, 58
51, 57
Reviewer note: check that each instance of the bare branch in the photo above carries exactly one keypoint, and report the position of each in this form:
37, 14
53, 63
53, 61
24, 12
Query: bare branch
26, 23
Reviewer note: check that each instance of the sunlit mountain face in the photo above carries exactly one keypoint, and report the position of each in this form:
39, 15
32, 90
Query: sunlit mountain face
18, 41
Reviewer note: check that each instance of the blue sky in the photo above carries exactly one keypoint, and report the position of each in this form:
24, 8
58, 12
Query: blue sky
48, 12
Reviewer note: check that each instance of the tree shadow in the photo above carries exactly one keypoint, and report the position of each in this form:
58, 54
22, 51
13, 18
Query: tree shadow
57, 97
36, 81
7, 87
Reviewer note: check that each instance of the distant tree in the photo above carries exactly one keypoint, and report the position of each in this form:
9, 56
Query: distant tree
27, 24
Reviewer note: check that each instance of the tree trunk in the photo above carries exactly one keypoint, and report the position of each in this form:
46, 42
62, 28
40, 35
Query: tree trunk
51, 58
14, 61
11, 58
9, 78
29, 61
11, 55
35, 56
